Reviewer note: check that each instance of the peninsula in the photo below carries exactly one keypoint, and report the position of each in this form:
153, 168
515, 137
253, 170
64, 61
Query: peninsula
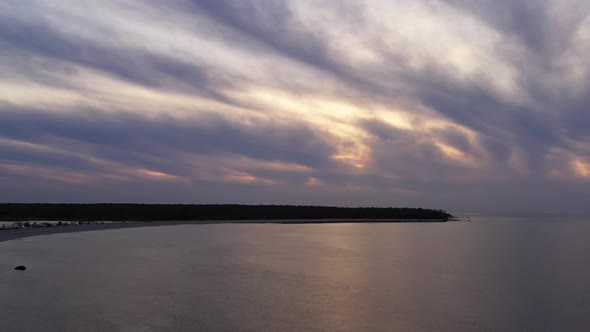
227, 212
23, 220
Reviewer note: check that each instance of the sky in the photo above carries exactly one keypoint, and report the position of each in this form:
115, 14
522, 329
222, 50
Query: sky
464, 105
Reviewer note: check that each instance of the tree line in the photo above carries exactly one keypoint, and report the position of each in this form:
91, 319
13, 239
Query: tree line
153, 212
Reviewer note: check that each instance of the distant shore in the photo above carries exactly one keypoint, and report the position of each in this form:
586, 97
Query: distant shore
47, 218
30, 212
13, 234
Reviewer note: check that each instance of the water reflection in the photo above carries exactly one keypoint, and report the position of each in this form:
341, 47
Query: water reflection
344, 277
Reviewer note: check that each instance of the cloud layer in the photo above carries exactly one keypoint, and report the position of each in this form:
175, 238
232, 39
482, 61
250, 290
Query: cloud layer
458, 104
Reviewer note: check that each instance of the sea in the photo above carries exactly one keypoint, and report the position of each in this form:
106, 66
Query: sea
480, 273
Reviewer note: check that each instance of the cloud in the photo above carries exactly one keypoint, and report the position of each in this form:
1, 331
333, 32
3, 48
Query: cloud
355, 102
132, 139
136, 66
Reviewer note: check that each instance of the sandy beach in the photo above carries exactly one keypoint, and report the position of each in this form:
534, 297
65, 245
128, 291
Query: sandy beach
13, 234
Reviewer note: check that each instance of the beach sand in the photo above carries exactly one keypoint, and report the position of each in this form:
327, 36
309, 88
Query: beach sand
12, 234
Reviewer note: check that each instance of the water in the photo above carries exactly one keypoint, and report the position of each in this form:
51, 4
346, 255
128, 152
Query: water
506, 275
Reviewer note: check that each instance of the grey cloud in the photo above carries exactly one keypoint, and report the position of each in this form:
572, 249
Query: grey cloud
274, 26
165, 143
270, 23
501, 125
18, 154
20, 38
408, 154
139, 141
577, 118
525, 19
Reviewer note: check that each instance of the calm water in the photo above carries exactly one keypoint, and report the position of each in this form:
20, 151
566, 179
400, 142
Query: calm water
498, 274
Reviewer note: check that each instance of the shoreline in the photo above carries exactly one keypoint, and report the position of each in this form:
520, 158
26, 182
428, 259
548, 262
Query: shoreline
13, 234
